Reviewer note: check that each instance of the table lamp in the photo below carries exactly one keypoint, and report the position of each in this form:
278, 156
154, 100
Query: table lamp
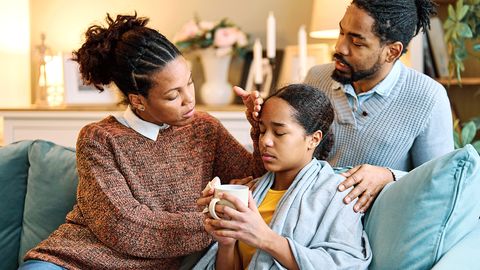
326, 14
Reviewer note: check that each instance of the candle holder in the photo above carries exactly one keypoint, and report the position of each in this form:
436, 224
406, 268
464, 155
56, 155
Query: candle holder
273, 67
258, 87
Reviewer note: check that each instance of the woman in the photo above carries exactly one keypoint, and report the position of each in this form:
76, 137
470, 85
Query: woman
141, 172
301, 221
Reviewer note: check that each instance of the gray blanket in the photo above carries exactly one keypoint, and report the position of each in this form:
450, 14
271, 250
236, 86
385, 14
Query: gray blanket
322, 231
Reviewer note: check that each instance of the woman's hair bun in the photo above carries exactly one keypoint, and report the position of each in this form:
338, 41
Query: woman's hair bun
96, 56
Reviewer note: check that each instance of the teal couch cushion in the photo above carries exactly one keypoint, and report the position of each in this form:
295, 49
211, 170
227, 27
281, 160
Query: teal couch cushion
464, 255
13, 185
417, 219
51, 192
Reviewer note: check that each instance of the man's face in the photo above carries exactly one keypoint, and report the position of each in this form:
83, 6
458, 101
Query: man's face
359, 54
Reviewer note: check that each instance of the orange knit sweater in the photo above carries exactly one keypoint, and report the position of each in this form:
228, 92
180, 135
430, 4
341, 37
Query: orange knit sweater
136, 198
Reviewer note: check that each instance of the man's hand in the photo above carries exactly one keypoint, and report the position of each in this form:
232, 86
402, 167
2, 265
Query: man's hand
252, 101
368, 181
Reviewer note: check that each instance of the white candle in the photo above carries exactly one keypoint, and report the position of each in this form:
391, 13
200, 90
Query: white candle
302, 52
257, 62
271, 36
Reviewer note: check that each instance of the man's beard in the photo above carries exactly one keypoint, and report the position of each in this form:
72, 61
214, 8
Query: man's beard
344, 78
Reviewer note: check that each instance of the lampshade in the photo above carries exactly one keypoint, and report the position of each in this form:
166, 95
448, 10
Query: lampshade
326, 14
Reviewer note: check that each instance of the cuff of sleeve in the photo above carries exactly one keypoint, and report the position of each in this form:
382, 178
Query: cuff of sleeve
397, 174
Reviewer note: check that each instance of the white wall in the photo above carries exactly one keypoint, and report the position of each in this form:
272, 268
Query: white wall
64, 24
14, 53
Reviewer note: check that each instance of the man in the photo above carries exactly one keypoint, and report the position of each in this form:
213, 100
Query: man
387, 115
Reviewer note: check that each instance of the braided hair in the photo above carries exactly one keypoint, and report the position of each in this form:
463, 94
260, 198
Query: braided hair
126, 52
313, 111
398, 20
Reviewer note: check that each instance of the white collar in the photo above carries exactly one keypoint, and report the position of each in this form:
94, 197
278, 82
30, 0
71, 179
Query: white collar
130, 119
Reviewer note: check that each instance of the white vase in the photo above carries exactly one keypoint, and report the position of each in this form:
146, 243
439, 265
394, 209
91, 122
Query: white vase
215, 90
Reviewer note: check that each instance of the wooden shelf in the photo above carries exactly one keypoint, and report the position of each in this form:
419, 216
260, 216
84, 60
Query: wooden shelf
465, 81
99, 108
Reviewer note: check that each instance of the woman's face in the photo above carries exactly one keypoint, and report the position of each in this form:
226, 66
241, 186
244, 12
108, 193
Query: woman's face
283, 144
172, 97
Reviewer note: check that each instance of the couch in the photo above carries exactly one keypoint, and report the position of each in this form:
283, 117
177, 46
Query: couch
428, 219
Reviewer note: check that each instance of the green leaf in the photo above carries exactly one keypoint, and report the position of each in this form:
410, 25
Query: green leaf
476, 145
476, 120
456, 140
462, 12
449, 23
468, 132
464, 30
459, 5
451, 13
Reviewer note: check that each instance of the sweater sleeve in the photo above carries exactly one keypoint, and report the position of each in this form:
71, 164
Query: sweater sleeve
232, 160
120, 221
436, 138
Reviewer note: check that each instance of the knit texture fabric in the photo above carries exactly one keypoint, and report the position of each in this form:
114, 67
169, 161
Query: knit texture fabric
396, 131
136, 198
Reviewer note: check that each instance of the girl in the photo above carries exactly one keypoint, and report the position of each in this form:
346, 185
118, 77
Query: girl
301, 221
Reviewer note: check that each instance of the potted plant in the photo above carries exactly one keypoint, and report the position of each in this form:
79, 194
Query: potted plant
461, 25
466, 134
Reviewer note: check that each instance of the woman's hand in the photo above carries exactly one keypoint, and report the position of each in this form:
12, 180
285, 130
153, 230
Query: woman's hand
247, 181
244, 224
206, 197
252, 101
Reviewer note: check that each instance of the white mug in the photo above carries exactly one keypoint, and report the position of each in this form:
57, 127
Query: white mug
239, 191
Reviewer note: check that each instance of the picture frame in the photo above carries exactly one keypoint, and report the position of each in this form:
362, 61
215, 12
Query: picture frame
77, 93
316, 54
270, 73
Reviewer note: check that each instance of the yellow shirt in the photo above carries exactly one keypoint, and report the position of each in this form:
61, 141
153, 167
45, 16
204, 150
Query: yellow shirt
266, 209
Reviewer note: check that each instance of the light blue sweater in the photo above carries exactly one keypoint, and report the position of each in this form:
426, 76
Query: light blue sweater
401, 130
322, 231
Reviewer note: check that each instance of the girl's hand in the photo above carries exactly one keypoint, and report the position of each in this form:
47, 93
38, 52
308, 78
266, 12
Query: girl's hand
212, 229
244, 224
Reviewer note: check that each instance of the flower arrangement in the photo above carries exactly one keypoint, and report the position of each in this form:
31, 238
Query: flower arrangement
224, 36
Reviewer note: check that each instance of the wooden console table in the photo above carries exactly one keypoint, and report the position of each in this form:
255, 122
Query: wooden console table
61, 125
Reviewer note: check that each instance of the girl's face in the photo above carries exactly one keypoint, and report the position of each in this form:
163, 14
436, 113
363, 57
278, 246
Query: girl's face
172, 97
283, 144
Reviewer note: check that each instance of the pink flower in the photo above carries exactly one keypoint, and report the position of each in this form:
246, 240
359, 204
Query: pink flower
189, 30
225, 37
242, 40
206, 26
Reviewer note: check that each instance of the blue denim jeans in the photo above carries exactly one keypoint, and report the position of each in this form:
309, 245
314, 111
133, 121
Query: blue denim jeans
39, 265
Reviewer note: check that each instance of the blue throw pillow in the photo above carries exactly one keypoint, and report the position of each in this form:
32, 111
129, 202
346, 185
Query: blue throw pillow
51, 192
13, 187
417, 219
